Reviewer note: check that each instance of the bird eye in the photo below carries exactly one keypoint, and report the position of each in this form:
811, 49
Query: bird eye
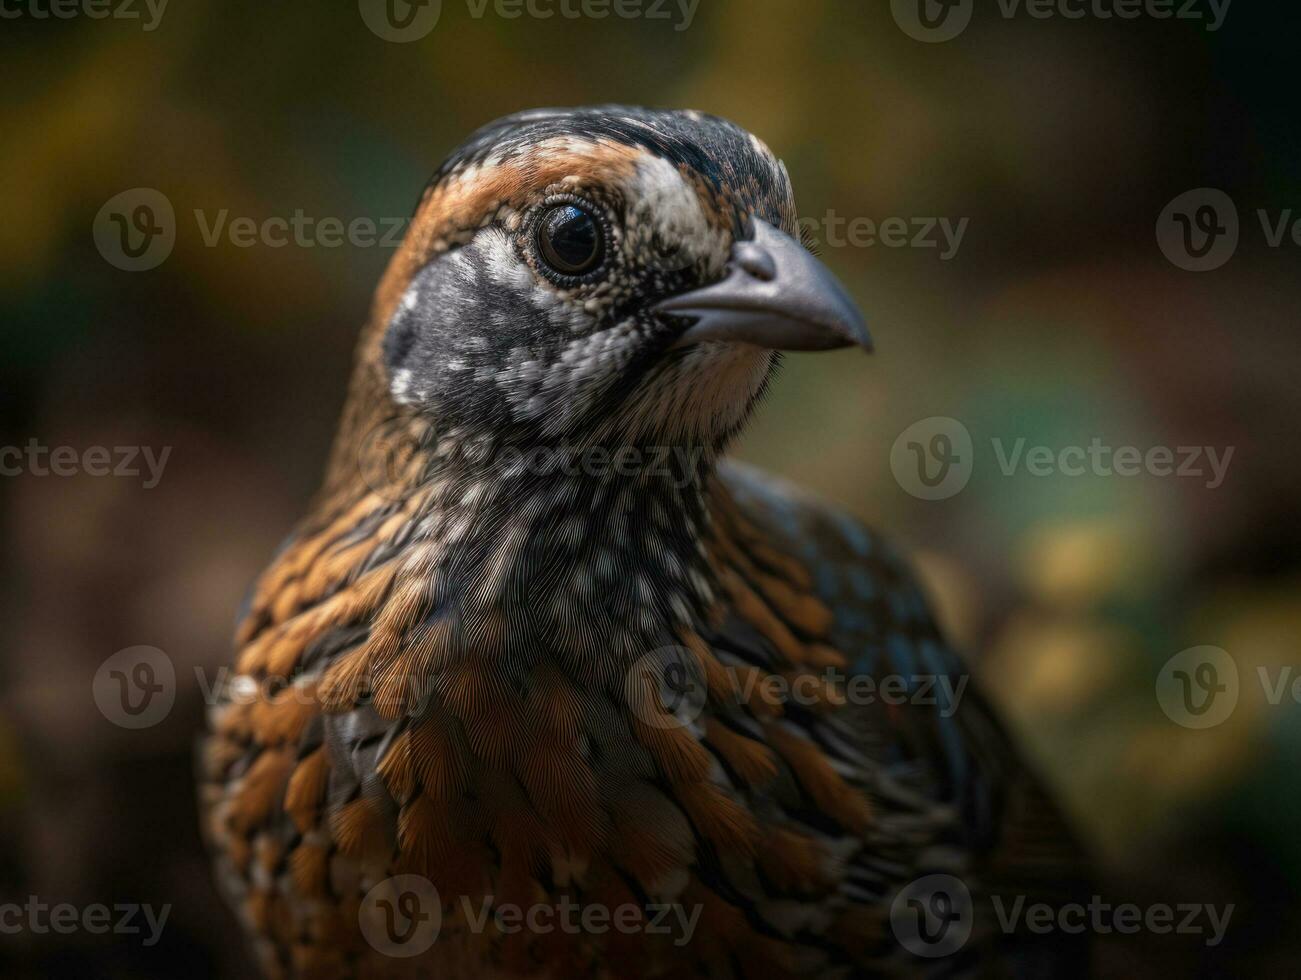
570, 240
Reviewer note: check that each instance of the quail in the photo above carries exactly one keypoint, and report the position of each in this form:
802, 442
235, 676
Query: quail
543, 686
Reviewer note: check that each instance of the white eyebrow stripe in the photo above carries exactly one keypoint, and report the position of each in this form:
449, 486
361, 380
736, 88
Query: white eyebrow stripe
669, 202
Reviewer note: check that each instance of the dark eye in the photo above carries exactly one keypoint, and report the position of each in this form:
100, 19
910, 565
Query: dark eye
570, 240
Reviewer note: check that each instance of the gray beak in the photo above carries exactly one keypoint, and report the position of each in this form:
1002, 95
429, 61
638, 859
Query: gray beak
775, 295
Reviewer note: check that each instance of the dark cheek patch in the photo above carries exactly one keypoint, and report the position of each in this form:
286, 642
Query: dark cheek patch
398, 339
413, 319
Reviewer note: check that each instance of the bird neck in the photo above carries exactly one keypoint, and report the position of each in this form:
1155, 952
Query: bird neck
447, 562
583, 539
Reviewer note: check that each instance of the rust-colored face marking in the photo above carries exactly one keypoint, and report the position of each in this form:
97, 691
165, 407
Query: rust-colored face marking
465, 199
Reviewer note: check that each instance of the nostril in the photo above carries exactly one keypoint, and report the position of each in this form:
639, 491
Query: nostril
756, 260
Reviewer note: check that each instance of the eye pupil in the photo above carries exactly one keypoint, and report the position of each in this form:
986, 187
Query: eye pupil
569, 240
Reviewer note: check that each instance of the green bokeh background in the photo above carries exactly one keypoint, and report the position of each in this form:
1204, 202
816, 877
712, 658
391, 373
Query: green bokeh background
1058, 320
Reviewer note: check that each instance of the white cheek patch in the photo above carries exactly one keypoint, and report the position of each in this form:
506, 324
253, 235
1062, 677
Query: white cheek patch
671, 208
506, 268
401, 386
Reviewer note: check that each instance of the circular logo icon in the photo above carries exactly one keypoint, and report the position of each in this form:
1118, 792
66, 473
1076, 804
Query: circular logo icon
386, 456
400, 21
136, 687
666, 688
1198, 231
401, 915
135, 230
1198, 687
932, 21
933, 459
932, 916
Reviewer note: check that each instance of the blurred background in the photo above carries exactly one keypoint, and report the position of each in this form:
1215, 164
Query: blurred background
1058, 319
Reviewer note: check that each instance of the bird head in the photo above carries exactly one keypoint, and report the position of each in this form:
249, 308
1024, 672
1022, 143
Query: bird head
606, 275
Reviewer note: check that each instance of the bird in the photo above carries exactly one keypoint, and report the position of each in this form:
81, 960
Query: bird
544, 684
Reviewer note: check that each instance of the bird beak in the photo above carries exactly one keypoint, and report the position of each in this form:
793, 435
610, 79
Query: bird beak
775, 295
